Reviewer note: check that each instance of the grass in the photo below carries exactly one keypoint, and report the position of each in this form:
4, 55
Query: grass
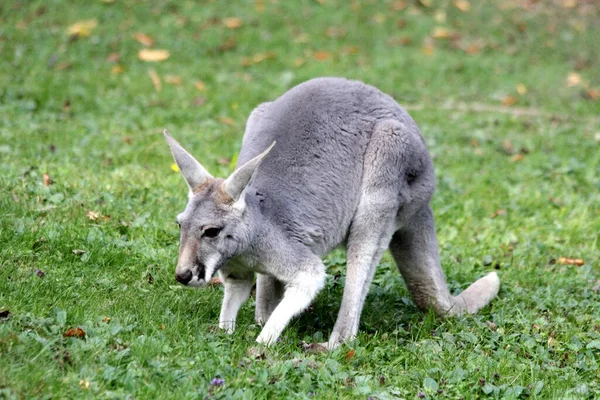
507, 103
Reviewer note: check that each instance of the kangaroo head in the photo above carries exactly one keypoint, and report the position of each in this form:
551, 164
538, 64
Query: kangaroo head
214, 225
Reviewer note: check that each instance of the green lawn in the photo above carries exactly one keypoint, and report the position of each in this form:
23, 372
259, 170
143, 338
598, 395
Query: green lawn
506, 94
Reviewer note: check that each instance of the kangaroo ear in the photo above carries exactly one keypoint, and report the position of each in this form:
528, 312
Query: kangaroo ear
239, 179
193, 172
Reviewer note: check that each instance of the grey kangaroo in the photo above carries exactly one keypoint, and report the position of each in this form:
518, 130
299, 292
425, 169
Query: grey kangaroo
331, 162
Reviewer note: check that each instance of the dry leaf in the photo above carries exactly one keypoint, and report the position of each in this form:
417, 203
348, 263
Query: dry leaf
517, 157
428, 46
570, 261
155, 79
440, 32
78, 252
498, 213
568, 3
153, 55
94, 216
106, 320
521, 89
257, 353
82, 28
257, 58
144, 39
227, 45
74, 332
491, 325
399, 5
232, 23
509, 100
200, 86
173, 79
117, 69
298, 62
321, 55
593, 94
573, 79
462, 5
113, 57
350, 354
225, 120
47, 180
473, 49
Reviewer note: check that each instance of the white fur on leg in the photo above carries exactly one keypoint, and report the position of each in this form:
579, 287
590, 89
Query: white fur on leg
236, 293
296, 298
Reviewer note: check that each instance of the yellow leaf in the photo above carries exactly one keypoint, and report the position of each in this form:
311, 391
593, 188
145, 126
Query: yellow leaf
232, 23
321, 55
82, 28
155, 80
173, 79
462, 5
440, 33
509, 100
153, 55
93, 215
117, 69
174, 167
521, 89
144, 39
200, 86
573, 79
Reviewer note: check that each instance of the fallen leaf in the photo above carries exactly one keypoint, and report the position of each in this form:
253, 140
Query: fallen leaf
462, 5
257, 58
155, 80
78, 252
113, 57
321, 55
509, 100
153, 55
106, 320
473, 49
517, 157
173, 79
232, 23
592, 94
162, 327
82, 28
47, 181
568, 3
227, 45
74, 332
225, 120
93, 215
144, 39
200, 86
40, 273
574, 79
399, 5
521, 89
570, 261
350, 354
174, 167
4, 313
428, 46
498, 213
440, 32
117, 69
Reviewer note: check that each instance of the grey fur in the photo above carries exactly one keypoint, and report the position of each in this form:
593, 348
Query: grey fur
350, 167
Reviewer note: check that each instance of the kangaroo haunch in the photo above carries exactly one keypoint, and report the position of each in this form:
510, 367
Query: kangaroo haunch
331, 162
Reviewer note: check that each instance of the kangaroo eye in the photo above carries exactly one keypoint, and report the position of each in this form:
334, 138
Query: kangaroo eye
211, 232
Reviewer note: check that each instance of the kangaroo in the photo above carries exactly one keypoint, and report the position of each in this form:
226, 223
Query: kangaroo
331, 162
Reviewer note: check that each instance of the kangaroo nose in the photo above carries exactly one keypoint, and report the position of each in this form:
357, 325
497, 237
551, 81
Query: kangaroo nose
184, 277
